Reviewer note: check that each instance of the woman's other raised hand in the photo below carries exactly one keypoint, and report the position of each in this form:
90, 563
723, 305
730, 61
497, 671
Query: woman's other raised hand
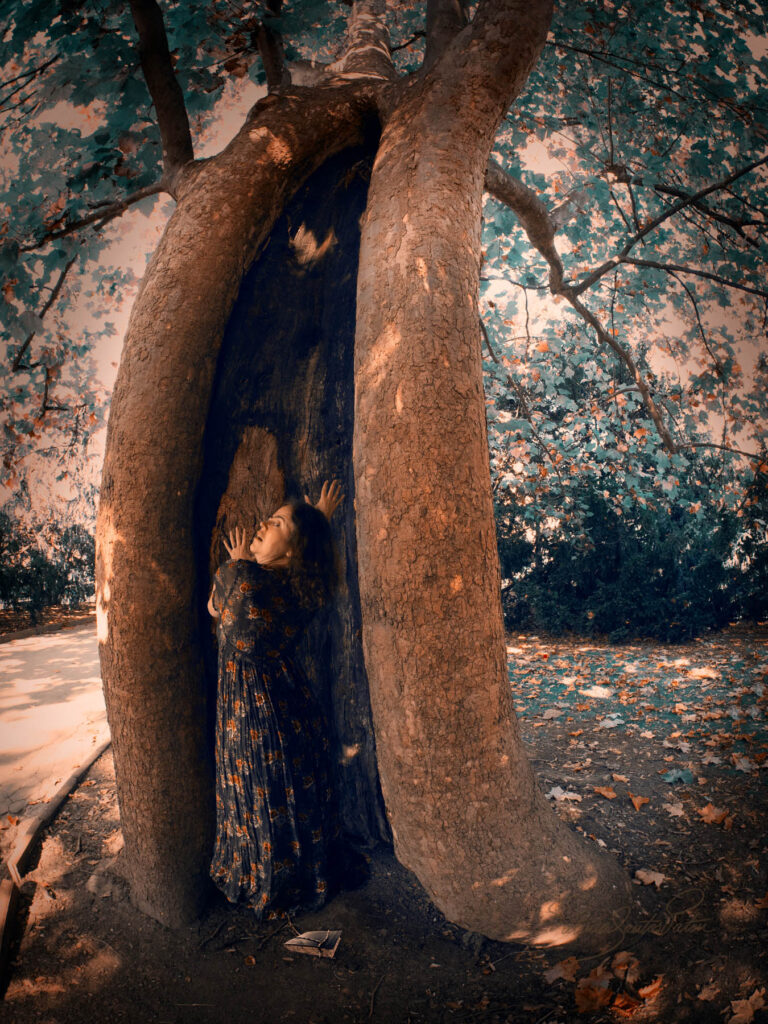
238, 546
330, 498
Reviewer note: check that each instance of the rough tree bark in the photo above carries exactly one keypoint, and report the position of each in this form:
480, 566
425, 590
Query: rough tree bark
467, 814
223, 380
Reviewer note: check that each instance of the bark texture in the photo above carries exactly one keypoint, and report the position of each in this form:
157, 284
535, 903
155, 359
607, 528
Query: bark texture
466, 812
148, 594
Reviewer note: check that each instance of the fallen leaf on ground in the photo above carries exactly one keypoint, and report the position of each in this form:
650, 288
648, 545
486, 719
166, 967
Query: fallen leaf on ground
703, 673
678, 775
619, 778
594, 992
626, 966
712, 815
607, 791
558, 793
566, 969
676, 810
638, 801
650, 877
709, 993
744, 1009
651, 990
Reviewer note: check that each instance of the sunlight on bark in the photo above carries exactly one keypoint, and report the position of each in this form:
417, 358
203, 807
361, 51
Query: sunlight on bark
109, 539
277, 150
374, 369
306, 247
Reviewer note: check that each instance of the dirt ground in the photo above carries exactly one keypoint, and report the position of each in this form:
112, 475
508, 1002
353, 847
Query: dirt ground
655, 753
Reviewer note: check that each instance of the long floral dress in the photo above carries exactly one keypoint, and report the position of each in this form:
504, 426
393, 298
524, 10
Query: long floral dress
274, 814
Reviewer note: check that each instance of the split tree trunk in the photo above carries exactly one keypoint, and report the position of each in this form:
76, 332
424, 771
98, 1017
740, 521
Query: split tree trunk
280, 422
465, 809
467, 815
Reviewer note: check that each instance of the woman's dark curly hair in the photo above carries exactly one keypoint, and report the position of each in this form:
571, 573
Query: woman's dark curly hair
313, 564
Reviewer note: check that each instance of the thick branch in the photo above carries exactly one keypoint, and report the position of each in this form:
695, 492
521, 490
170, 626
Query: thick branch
99, 218
657, 221
532, 214
444, 19
270, 47
55, 292
367, 54
163, 87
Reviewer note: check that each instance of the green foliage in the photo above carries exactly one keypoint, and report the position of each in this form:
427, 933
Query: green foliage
44, 564
635, 108
670, 570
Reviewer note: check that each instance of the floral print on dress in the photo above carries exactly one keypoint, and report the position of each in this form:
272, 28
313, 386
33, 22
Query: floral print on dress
274, 812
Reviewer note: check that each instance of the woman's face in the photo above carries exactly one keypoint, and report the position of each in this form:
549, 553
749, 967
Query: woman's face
273, 541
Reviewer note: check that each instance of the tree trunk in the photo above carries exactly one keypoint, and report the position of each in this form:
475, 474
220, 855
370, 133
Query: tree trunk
235, 383
467, 815
149, 594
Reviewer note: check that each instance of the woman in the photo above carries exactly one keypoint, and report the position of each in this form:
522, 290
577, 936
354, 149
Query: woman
275, 821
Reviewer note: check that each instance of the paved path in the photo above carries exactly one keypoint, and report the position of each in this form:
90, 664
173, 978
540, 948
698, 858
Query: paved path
51, 717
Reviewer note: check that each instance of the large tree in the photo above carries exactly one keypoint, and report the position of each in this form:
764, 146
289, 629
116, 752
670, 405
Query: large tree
311, 310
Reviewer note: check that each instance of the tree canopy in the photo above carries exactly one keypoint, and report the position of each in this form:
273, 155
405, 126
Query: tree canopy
622, 294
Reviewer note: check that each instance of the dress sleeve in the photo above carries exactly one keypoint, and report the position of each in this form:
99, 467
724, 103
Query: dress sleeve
241, 587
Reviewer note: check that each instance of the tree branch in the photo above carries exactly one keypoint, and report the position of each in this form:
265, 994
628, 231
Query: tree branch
532, 214
675, 268
607, 339
55, 291
720, 447
702, 332
444, 19
99, 218
537, 224
367, 54
31, 73
163, 87
48, 406
656, 221
270, 46
723, 218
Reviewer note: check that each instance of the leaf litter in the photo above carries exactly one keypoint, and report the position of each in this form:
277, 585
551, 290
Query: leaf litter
677, 791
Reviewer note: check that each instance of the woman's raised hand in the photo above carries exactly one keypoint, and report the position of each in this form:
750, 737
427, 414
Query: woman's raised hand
330, 498
238, 546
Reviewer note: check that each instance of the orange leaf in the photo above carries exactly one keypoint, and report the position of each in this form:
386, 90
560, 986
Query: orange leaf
626, 1004
651, 990
566, 969
543, 346
638, 801
712, 815
607, 791
590, 998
